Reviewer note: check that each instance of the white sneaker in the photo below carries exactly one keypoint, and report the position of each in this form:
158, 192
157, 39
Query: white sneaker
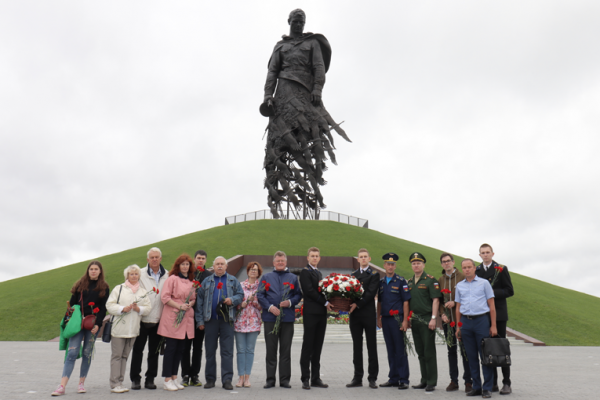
170, 386
178, 385
118, 389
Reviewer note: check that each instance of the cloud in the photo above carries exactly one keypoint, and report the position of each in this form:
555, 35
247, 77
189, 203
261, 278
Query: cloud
471, 122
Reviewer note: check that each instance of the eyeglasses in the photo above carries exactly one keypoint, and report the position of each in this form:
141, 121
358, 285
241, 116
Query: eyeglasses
446, 261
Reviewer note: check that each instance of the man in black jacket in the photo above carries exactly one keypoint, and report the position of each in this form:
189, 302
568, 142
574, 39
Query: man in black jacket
503, 289
315, 322
191, 372
363, 316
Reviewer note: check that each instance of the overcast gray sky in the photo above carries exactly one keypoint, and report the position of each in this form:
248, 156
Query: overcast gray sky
125, 123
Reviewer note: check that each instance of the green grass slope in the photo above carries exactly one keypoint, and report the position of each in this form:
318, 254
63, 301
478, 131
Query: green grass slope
31, 307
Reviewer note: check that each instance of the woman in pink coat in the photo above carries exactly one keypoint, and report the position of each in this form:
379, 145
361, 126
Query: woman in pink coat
178, 295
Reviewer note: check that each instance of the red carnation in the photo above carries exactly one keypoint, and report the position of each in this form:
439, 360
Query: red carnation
336, 287
452, 324
498, 268
336, 278
459, 324
291, 286
156, 290
410, 315
267, 286
96, 310
220, 285
286, 283
91, 304
357, 289
319, 289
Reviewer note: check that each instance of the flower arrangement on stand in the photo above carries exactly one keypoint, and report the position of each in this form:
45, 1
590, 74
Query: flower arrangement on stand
341, 290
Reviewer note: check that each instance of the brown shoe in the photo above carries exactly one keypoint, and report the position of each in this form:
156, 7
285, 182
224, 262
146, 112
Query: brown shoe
452, 387
506, 389
468, 387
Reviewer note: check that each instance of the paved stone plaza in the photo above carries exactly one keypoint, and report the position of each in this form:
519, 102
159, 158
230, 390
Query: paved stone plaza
32, 370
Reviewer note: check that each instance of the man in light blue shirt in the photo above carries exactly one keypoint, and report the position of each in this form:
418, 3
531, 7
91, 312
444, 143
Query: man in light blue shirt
475, 311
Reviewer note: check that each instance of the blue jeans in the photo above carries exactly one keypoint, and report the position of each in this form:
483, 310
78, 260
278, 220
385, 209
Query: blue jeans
218, 333
73, 353
244, 344
472, 332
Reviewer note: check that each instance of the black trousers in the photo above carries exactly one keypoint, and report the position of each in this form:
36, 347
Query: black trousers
312, 345
172, 357
369, 326
453, 360
150, 335
501, 327
283, 339
196, 355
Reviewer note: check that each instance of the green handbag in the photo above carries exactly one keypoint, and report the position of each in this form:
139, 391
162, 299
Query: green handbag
74, 325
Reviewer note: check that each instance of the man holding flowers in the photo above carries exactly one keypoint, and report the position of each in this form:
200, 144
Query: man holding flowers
450, 277
394, 296
363, 317
501, 283
217, 298
278, 314
425, 300
314, 321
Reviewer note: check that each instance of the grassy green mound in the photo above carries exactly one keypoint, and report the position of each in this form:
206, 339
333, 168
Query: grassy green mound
31, 307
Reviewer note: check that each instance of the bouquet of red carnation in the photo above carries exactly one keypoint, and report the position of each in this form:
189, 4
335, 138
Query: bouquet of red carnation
181, 313
498, 269
287, 288
412, 316
407, 343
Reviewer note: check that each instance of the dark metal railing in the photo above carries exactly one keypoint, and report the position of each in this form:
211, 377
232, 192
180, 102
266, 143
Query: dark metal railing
321, 216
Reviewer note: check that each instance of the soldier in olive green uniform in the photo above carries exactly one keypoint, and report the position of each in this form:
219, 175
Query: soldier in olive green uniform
424, 303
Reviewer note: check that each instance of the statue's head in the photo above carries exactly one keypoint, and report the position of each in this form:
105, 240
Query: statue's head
296, 21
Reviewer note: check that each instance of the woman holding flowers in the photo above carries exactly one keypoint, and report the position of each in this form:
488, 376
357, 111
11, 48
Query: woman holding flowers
90, 292
177, 320
248, 323
127, 303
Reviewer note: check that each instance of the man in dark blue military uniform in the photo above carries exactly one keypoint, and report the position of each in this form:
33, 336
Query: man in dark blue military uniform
394, 295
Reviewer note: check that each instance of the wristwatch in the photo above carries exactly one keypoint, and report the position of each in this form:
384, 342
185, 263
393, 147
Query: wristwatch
433, 317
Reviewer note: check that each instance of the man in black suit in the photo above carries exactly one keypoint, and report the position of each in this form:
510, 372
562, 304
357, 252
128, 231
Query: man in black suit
363, 316
315, 322
503, 289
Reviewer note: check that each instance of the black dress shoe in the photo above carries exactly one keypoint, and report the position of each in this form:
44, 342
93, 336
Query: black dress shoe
267, 385
495, 388
356, 383
209, 385
486, 394
285, 385
506, 389
402, 386
227, 385
305, 385
474, 392
319, 384
420, 386
135, 385
372, 385
150, 385
429, 388
389, 384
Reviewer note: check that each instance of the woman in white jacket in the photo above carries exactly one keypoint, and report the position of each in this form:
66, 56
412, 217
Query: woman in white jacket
128, 303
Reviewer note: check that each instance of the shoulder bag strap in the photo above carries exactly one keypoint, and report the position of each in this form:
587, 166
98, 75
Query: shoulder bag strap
118, 298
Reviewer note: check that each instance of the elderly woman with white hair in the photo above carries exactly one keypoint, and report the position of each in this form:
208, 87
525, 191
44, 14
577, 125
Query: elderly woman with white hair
127, 303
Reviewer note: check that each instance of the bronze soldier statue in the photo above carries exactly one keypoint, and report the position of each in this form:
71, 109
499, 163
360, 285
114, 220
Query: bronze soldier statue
299, 137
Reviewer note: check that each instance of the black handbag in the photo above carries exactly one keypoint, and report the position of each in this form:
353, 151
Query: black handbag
107, 332
496, 352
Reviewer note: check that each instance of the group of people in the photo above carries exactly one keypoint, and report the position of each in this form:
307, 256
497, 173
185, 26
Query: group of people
176, 311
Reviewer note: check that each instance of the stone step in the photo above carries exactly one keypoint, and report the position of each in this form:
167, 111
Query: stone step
340, 333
